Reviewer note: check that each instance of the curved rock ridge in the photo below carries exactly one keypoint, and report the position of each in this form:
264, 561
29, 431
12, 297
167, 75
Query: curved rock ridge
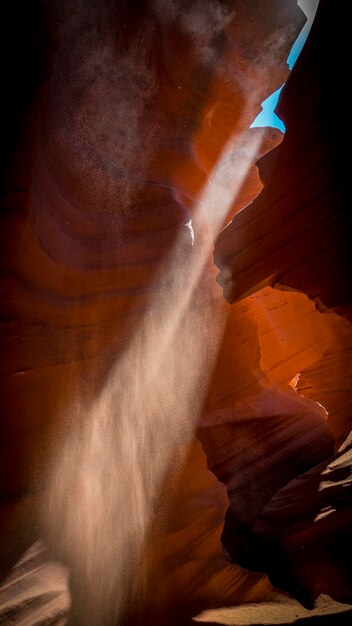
299, 222
294, 238
301, 538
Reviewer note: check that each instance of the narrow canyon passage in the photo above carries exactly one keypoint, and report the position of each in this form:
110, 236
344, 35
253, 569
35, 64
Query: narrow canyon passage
175, 432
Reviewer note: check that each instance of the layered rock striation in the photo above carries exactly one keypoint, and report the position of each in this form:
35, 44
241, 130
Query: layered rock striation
294, 237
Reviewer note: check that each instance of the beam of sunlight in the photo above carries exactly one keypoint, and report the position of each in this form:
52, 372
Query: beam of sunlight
109, 472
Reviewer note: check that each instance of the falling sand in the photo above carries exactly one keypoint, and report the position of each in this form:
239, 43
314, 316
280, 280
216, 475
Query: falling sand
121, 447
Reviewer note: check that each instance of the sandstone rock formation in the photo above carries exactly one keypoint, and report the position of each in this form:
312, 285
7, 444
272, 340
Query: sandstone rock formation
125, 123
302, 536
294, 236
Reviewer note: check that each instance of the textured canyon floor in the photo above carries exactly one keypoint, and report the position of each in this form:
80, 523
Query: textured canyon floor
35, 594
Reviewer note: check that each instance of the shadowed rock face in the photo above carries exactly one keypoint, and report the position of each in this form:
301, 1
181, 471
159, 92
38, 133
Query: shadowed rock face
295, 236
256, 458
304, 197
119, 119
302, 537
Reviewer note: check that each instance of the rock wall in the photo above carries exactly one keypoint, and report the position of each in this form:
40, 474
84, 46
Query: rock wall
122, 119
294, 237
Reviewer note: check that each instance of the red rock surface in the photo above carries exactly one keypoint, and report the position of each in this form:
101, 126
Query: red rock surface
302, 536
303, 199
294, 236
118, 121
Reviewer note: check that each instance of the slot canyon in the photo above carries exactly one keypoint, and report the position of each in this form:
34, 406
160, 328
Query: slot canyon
176, 308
